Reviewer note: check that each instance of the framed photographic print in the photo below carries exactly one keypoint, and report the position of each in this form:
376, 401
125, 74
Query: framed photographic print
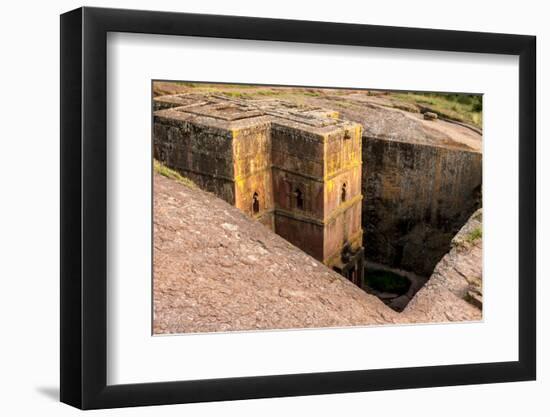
257, 208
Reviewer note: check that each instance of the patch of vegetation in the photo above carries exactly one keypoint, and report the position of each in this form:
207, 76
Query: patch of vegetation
170, 173
188, 84
343, 103
385, 281
236, 94
474, 235
267, 93
466, 108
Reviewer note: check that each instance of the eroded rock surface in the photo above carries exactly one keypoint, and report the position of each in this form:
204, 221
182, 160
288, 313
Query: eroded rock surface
215, 269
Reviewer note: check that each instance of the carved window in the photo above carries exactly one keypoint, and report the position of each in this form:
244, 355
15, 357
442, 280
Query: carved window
299, 198
344, 187
255, 203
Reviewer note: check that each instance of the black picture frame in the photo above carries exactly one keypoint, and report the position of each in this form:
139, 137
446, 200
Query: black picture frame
84, 207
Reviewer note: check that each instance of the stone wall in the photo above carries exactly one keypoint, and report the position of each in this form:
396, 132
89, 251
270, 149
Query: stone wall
343, 193
298, 165
202, 153
416, 198
252, 167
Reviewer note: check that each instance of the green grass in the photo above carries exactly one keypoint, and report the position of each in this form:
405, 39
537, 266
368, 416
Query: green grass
386, 281
188, 84
467, 108
267, 93
236, 94
170, 173
474, 235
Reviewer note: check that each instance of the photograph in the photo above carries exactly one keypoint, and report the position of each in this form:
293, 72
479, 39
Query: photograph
294, 207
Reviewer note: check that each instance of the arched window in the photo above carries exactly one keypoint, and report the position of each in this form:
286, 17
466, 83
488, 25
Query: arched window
299, 199
255, 203
344, 186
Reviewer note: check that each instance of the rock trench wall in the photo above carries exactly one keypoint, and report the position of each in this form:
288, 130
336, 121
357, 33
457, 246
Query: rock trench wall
415, 199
